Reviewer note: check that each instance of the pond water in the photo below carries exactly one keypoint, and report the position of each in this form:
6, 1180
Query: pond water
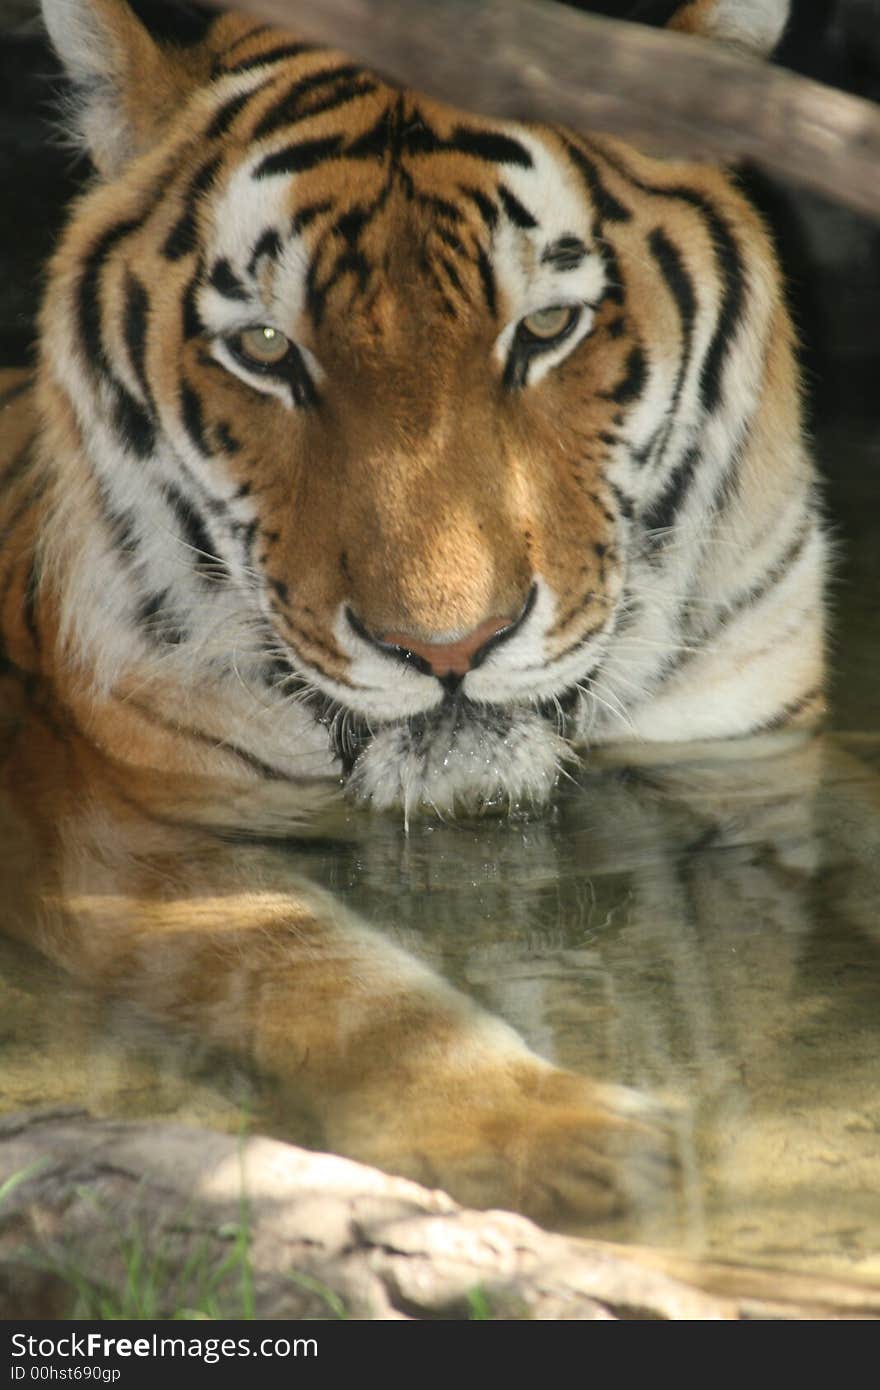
703, 928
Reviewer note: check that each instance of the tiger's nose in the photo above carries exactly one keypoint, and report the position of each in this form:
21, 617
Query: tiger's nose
448, 661
450, 658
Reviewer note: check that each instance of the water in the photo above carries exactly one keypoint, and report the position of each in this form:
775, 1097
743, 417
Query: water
701, 926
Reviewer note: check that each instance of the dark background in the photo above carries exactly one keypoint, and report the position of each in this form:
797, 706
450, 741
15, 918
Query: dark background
830, 255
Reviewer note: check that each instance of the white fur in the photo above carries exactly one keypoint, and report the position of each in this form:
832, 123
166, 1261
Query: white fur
79, 38
460, 770
756, 25
526, 283
88, 52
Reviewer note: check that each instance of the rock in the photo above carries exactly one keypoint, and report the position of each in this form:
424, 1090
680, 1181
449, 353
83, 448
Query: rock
255, 1226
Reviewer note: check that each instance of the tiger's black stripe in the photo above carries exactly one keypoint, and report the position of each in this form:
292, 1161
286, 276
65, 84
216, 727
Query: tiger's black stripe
191, 321
271, 55
350, 224
298, 159
153, 617
583, 640
289, 107
265, 770
182, 240
608, 208
89, 294
348, 262
566, 253
487, 279
487, 145
228, 441
624, 503
790, 711
342, 96
450, 239
613, 292
225, 281
195, 533
441, 207
268, 245
662, 513
681, 287
381, 139
729, 261
307, 215
135, 317
453, 276
417, 138
119, 522
299, 380
776, 572
133, 424
518, 215
484, 205
193, 419
729, 264
632, 383
226, 114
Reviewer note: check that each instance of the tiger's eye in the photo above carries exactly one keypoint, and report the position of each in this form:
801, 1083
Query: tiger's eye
264, 346
550, 323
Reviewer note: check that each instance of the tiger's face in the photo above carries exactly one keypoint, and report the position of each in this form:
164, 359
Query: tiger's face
428, 413
392, 338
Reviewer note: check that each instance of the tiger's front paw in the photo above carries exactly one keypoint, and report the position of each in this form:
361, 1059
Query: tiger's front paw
557, 1147
570, 1153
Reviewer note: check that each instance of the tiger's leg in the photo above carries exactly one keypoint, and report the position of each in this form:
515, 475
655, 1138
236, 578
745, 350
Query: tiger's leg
228, 945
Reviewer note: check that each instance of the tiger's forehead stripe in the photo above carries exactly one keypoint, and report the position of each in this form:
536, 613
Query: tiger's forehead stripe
238, 93
226, 114
346, 81
389, 144
300, 158
182, 239
387, 138
608, 208
279, 53
321, 84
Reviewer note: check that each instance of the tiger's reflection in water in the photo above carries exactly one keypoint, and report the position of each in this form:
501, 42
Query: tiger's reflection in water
703, 931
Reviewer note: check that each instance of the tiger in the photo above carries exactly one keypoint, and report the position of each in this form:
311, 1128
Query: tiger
382, 442
378, 446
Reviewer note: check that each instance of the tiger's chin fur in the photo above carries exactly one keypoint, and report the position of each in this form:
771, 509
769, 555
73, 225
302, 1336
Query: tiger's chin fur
380, 441
461, 761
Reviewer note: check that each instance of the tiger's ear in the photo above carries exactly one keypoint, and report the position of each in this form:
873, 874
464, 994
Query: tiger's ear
125, 85
755, 25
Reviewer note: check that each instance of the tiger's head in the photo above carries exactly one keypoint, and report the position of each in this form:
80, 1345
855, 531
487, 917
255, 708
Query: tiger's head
447, 443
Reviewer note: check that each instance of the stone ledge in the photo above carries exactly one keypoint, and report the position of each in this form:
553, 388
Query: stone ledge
325, 1234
